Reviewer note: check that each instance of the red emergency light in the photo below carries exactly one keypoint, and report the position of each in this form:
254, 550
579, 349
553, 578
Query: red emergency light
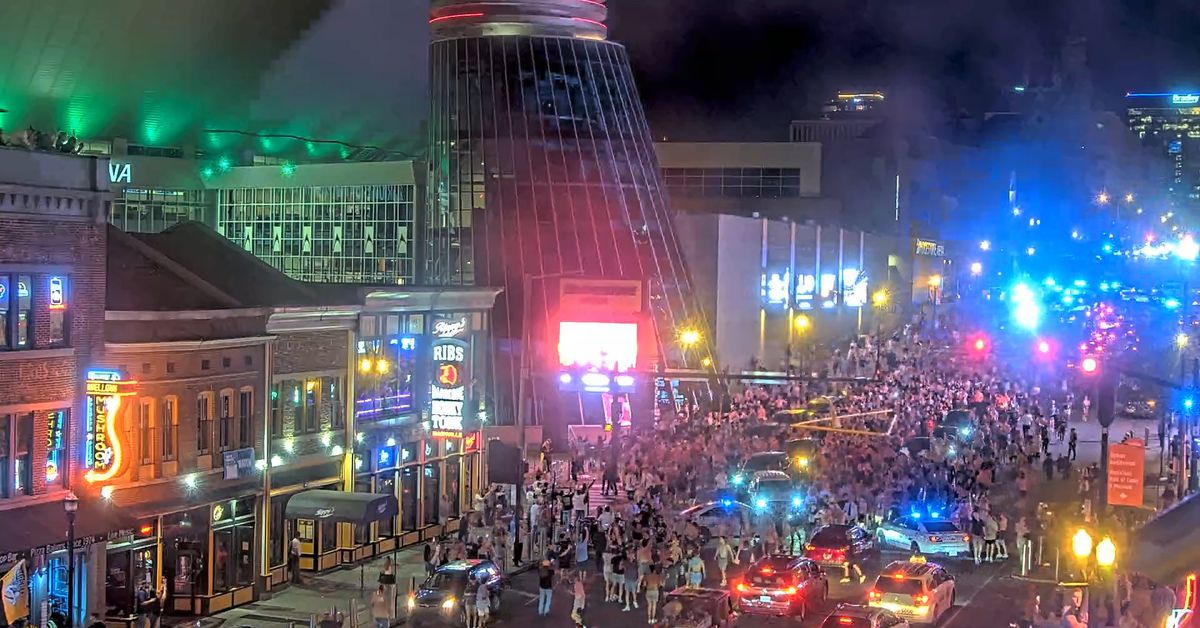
1089, 365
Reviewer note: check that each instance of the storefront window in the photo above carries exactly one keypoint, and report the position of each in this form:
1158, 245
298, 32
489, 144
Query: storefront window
385, 484
385, 374
279, 535
328, 531
186, 543
431, 494
408, 499
453, 488
127, 570
469, 478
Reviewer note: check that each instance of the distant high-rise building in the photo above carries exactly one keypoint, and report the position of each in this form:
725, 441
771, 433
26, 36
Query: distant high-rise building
844, 117
542, 165
1170, 124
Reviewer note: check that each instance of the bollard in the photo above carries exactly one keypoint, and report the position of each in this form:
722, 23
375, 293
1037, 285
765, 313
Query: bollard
362, 578
1056, 564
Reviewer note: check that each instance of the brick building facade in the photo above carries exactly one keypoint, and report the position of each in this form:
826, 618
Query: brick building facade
52, 286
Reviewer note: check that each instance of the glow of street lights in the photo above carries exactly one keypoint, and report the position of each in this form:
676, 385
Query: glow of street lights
1181, 340
1129, 197
985, 245
689, 337
976, 269
802, 322
935, 281
1102, 198
1106, 552
1081, 544
880, 298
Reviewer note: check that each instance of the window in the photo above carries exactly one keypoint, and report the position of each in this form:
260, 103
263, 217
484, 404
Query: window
146, 431
312, 412
337, 413
58, 298
226, 362
276, 413
204, 426
225, 421
24, 336
170, 367
17, 314
56, 426
204, 364
169, 417
16, 454
246, 417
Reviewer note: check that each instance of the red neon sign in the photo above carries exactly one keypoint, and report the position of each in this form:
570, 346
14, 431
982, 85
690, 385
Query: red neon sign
448, 375
608, 346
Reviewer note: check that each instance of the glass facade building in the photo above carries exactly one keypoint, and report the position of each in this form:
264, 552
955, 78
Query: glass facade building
348, 233
542, 164
1170, 124
138, 210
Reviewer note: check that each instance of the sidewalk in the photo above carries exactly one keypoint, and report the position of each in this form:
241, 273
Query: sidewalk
319, 593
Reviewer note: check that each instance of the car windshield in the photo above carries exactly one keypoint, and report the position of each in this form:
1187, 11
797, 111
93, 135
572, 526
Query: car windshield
761, 462
775, 488
940, 526
446, 580
842, 621
903, 586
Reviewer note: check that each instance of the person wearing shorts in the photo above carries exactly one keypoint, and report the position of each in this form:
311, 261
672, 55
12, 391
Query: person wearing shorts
606, 560
724, 553
695, 570
631, 581
483, 604
617, 575
653, 583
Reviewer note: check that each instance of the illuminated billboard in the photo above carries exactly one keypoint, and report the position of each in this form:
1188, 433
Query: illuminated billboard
593, 345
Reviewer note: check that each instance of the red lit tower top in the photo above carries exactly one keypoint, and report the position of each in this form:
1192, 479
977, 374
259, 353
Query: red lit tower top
452, 19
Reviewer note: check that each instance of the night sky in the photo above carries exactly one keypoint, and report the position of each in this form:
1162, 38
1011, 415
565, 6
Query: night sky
741, 69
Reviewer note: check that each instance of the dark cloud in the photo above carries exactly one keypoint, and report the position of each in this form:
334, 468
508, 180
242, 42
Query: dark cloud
744, 68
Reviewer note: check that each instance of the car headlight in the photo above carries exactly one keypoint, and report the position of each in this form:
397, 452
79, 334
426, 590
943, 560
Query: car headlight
760, 503
802, 461
448, 604
796, 501
738, 479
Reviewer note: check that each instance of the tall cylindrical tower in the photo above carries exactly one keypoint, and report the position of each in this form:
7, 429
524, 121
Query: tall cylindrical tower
541, 163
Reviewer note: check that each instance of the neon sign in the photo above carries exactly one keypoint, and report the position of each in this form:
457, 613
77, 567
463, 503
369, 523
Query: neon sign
54, 443
58, 299
1185, 99
103, 453
447, 393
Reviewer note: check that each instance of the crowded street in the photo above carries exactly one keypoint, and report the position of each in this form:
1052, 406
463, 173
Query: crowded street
616, 532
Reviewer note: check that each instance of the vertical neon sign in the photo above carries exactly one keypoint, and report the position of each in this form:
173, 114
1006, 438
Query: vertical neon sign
103, 451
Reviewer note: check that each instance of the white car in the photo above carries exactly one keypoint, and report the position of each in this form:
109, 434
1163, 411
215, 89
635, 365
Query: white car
916, 590
710, 516
913, 534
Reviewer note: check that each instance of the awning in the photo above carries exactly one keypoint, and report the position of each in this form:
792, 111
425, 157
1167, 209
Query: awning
339, 506
42, 528
1168, 547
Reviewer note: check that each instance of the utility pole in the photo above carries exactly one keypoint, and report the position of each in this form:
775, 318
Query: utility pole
1106, 409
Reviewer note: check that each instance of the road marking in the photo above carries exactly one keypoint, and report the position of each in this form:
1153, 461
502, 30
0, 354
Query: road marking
948, 618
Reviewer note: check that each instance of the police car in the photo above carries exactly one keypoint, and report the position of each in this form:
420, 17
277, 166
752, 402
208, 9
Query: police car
762, 461
916, 533
717, 514
917, 590
774, 492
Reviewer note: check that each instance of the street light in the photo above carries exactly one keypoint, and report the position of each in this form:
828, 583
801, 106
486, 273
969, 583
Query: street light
689, 337
880, 298
1129, 197
71, 506
1081, 544
1106, 552
1102, 198
935, 281
1181, 340
802, 323
976, 269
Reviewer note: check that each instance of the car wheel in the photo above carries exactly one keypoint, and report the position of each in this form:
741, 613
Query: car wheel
495, 604
914, 548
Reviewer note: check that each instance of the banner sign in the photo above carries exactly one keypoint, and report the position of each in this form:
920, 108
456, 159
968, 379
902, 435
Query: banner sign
1126, 474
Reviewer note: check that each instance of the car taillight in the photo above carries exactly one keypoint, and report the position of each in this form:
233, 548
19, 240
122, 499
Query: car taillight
845, 621
840, 552
921, 599
966, 538
874, 595
810, 547
741, 587
789, 591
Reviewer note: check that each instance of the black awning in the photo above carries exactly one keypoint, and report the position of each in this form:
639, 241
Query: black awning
339, 506
1168, 547
43, 527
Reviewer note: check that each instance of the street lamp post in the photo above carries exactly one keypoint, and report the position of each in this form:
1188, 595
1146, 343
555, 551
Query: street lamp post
71, 506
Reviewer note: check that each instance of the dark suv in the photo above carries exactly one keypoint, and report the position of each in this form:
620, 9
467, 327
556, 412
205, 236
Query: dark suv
839, 545
440, 598
782, 585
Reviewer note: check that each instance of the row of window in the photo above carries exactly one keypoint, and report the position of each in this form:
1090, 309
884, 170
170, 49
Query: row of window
224, 422
733, 182
24, 298
307, 406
